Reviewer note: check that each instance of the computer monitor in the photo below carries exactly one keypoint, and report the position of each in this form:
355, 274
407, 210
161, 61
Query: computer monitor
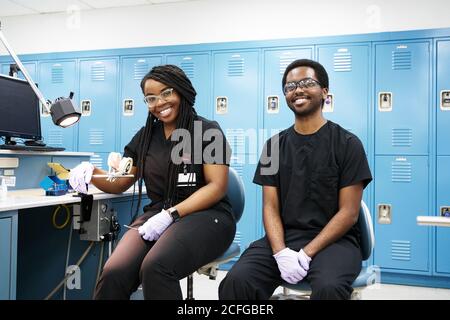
19, 110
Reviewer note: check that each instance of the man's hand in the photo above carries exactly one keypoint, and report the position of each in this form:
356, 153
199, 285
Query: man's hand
288, 262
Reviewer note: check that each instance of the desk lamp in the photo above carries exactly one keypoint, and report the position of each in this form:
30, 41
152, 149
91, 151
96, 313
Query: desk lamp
62, 110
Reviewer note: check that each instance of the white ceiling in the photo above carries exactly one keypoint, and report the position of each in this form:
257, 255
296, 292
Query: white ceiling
10, 8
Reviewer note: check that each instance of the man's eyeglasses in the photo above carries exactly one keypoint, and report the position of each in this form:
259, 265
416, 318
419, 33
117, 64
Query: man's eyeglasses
151, 100
306, 83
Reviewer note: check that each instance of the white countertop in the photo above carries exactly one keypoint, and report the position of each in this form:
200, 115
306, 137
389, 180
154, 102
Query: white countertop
433, 221
42, 153
32, 198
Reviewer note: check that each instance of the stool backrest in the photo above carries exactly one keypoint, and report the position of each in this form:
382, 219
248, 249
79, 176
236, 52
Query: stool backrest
236, 193
367, 234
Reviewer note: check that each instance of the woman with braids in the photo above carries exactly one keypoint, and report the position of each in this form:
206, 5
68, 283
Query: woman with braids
189, 220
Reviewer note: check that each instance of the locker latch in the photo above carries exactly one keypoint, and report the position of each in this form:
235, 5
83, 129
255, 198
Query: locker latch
221, 105
128, 107
328, 104
273, 105
85, 108
384, 214
445, 100
385, 101
445, 211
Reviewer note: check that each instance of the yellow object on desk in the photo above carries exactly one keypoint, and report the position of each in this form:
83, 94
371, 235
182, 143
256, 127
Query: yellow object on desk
61, 172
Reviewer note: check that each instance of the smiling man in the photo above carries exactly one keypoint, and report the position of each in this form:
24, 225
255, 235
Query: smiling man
310, 204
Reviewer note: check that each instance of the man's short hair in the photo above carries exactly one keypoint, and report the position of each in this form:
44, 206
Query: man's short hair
319, 70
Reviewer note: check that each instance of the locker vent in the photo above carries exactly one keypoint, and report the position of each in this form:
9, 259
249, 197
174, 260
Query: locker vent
285, 60
96, 136
401, 137
98, 72
55, 137
236, 67
97, 161
401, 250
342, 62
140, 70
238, 241
401, 172
238, 238
401, 60
236, 139
57, 74
239, 167
189, 68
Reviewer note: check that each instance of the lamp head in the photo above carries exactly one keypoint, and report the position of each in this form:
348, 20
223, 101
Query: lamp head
64, 113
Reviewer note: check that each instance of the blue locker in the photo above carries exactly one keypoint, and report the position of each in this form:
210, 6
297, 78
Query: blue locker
196, 67
98, 104
348, 102
401, 194
247, 228
58, 79
5, 257
402, 82
443, 97
443, 207
133, 110
30, 66
277, 115
236, 97
100, 160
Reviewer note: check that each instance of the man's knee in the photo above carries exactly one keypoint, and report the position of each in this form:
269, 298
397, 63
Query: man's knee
236, 285
331, 290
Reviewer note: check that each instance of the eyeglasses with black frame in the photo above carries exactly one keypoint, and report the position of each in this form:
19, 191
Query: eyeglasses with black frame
306, 83
151, 100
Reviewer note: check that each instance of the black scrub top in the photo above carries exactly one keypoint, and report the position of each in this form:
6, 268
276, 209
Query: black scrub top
312, 170
158, 158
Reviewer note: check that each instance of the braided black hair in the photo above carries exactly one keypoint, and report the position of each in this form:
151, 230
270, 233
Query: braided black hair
174, 77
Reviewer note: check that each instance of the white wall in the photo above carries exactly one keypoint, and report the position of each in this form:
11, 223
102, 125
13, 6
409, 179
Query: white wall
217, 21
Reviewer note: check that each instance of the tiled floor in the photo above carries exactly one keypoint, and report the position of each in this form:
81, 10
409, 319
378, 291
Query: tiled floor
206, 289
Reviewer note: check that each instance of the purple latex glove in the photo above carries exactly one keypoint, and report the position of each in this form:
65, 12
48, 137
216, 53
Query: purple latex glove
288, 264
153, 228
80, 176
304, 260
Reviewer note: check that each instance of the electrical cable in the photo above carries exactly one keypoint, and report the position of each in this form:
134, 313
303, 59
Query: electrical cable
67, 276
69, 244
100, 266
55, 212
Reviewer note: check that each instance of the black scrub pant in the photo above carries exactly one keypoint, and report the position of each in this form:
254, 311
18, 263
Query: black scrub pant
185, 246
255, 276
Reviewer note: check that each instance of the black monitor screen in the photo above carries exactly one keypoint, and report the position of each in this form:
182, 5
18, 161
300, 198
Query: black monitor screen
19, 109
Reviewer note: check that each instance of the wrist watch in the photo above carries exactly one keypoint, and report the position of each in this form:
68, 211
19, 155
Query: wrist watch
174, 214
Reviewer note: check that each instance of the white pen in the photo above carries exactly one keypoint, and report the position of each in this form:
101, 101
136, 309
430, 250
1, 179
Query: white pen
134, 228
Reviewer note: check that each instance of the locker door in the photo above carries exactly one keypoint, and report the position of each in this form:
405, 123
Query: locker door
277, 114
247, 228
98, 104
235, 108
348, 102
58, 79
5, 257
236, 96
196, 67
443, 96
443, 207
402, 98
401, 194
133, 110
30, 66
